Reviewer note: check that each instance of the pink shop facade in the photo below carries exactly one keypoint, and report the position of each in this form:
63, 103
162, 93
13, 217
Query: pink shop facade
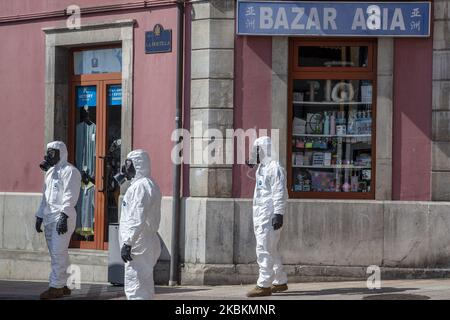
361, 122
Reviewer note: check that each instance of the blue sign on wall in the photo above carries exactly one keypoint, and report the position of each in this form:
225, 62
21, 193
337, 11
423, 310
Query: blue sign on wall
86, 96
312, 18
115, 95
158, 40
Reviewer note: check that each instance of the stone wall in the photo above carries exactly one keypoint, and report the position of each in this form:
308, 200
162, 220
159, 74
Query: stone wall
24, 254
321, 240
441, 102
212, 81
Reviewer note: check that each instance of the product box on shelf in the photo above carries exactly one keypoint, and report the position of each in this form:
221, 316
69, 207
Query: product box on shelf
298, 96
366, 93
341, 130
318, 159
308, 158
363, 159
327, 159
299, 143
298, 126
297, 158
321, 180
363, 125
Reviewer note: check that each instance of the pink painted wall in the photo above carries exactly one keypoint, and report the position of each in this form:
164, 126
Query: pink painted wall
155, 98
22, 74
22, 57
22, 91
23, 7
253, 98
411, 169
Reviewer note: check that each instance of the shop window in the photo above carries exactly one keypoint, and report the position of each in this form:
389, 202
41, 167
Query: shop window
332, 121
333, 56
328, 56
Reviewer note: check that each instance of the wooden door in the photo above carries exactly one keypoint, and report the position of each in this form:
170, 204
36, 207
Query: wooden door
93, 109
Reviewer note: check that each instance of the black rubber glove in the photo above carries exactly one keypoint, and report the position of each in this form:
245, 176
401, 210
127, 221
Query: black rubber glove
61, 225
38, 224
125, 252
277, 221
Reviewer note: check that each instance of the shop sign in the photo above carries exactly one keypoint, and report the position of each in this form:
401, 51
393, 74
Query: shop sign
158, 40
86, 96
115, 95
313, 18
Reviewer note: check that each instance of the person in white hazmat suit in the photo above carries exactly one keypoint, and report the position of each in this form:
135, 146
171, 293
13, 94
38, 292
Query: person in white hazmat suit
57, 213
269, 205
138, 227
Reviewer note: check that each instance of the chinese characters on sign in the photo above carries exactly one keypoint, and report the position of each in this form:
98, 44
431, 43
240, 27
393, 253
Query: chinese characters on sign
158, 40
250, 14
415, 16
395, 19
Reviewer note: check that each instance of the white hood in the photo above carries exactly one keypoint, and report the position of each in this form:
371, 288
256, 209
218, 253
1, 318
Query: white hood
264, 143
61, 146
141, 162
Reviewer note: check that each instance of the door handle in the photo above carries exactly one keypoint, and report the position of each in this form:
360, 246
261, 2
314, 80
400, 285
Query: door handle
103, 188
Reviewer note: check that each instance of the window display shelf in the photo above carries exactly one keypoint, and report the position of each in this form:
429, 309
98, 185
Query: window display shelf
332, 136
332, 114
330, 103
343, 166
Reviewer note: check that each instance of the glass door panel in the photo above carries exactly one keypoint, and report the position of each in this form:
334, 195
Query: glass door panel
85, 159
112, 159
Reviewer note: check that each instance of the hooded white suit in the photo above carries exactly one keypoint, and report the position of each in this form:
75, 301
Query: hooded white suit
139, 224
269, 199
61, 190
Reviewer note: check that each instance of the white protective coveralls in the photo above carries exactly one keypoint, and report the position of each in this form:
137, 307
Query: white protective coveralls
269, 199
139, 224
61, 190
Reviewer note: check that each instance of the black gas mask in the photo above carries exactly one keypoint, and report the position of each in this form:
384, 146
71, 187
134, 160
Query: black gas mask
51, 158
252, 161
127, 172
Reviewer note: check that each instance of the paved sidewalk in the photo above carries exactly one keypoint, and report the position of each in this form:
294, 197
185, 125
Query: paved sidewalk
438, 289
